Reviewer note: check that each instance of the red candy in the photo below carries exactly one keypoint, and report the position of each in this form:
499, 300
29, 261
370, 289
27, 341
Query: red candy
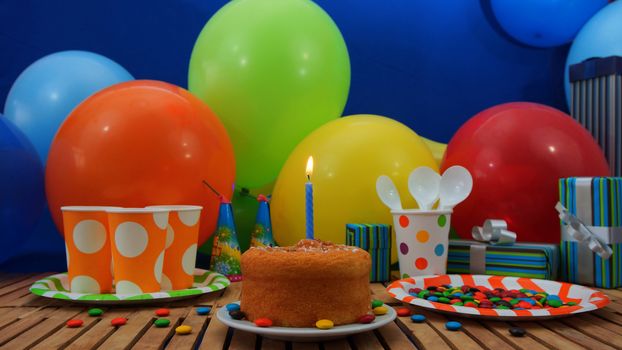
74, 323
119, 321
367, 319
403, 312
162, 312
263, 322
453, 301
524, 304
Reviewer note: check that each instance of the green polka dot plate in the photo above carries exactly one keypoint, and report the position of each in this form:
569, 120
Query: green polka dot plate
57, 287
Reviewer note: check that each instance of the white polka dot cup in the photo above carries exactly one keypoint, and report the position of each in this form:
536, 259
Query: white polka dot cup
422, 238
180, 255
138, 239
87, 244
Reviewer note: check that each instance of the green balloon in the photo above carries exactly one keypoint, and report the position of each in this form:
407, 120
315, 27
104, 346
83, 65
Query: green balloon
273, 71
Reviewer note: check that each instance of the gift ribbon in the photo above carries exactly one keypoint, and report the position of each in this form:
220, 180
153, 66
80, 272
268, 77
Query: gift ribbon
577, 231
494, 232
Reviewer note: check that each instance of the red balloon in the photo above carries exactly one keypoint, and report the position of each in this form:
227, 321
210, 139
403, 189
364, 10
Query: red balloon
516, 152
141, 143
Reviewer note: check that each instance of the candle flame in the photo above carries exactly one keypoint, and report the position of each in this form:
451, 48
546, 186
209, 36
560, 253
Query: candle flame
310, 166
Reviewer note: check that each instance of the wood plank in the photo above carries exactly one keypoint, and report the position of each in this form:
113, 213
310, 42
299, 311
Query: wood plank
99, 332
272, 344
483, 336
501, 329
548, 337
10, 279
608, 315
23, 284
378, 291
23, 324
231, 294
42, 330
215, 335
614, 307
424, 336
593, 330
154, 337
612, 293
305, 346
612, 326
242, 340
366, 341
126, 336
198, 324
10, 315
65, 335
575, 335
456, 339
394, 337
340, 344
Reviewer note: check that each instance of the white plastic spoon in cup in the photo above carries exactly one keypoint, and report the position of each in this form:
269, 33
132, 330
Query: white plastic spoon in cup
423, 184
388, 193
456, 185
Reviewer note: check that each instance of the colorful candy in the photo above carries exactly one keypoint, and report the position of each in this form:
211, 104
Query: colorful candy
183, 329
417, 318
367, 319
237, 314
403, 312
324, 324
95, 312
163, 312
118, 322
375, 303
517, 332
263, 322
162, 322
486, 298
380, 310
233, 307
74, 323
203, 310
453, 326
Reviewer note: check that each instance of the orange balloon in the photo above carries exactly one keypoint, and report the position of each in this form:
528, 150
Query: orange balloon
141, 143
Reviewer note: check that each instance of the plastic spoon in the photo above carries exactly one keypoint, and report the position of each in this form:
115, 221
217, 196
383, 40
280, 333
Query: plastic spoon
388, 193
456, 185
423, 184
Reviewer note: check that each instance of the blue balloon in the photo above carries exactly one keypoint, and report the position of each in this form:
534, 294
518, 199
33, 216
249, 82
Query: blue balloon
601, 36
22, 196
544, 23
46, 92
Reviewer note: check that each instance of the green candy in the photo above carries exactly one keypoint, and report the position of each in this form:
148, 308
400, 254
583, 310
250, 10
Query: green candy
95, 312
443, 300
162, 322
571, 303
524, 290
554, 303
466, 297
514, 301
502, 307
446, 293
375, 303
458, 304
494, 299
438, 294
422, 294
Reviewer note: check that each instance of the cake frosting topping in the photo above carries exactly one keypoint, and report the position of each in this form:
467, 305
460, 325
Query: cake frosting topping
311, 245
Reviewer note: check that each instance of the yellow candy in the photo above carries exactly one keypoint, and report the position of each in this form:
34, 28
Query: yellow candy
529, 294
324, 324
183, 329
380, 310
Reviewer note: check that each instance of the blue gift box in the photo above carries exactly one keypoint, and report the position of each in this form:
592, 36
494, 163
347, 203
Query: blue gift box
376, 240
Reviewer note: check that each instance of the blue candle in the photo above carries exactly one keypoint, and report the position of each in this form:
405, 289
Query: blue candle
309, 199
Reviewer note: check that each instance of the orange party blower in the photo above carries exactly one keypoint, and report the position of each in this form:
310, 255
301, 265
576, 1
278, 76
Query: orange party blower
182, 235
88, 249
138, 240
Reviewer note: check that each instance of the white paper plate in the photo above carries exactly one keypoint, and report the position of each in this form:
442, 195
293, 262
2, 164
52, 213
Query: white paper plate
305, 334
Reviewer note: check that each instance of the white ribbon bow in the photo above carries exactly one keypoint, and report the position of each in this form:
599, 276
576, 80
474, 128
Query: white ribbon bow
579, 231
494, 232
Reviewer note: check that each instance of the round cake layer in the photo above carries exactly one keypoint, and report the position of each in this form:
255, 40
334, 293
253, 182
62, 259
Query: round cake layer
299, 285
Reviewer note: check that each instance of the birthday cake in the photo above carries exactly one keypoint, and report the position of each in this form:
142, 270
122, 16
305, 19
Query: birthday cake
297, 286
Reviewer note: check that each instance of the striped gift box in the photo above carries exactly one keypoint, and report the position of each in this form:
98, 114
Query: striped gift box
595, 201
376, 240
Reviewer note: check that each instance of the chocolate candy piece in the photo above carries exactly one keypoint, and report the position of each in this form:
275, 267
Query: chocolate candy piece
324, 324
367, 319
95, 312
380, 310
162, 322
517, 332
163, 312
402, 312
237, 314
453, 325
118, 322
263, 322
417, 318
375, 303
203, 310
183, 329
74, 323
233, 307
554, 302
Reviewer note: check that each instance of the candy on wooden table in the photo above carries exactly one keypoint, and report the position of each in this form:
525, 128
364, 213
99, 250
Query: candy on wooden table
163, 312
233, 307
118, 321
162, 322
517, 331
203, 310
263, 322
402, 312
367, 319
380, 310
453, 326
324, 324
417, 318
95, 311
74, 323
183, 329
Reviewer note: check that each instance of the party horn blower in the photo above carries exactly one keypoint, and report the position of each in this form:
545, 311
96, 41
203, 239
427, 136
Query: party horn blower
262, 233
226, 253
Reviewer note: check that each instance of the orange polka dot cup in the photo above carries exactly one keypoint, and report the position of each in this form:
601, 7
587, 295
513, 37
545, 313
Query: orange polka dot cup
138, 239
422, 238
87, 243
182, 236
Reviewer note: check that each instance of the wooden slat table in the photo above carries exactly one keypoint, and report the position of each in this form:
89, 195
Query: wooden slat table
30, 322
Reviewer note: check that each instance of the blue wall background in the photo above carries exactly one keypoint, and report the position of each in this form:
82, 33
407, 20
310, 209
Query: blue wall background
429, 64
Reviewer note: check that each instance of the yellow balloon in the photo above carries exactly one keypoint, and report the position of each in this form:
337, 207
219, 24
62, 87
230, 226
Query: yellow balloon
349, 154
437, 149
